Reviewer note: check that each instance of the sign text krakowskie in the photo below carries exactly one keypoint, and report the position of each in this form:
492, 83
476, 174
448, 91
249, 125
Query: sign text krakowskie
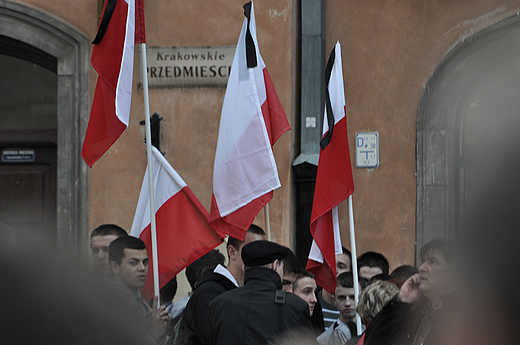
188, 66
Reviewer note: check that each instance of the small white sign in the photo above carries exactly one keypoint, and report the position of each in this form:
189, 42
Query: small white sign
367, 150
10, 155
310, 122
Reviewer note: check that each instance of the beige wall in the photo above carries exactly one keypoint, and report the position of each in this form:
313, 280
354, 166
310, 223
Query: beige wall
192, 115
390, 50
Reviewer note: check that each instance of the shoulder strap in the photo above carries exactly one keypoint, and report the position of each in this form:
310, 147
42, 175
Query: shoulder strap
279, 300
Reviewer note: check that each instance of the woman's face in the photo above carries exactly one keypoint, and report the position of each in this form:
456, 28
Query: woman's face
436, 275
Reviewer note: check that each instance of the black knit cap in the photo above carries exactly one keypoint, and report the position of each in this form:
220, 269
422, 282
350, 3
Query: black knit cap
259, 253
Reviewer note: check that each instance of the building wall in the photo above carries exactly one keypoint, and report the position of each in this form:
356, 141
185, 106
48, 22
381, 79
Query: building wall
192, 114
390, 50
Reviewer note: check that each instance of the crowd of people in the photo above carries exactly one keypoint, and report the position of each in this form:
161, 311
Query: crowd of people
264, 296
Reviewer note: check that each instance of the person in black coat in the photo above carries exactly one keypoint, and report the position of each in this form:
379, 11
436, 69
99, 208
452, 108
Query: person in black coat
428, 303
260, 311
194, 327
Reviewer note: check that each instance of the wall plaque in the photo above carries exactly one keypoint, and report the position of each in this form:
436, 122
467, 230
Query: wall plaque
187, 66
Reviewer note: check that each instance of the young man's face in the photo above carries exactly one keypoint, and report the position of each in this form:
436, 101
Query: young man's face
287, 281
235, 256
343, 264
133, 269
305, 288
99, 248
345, 301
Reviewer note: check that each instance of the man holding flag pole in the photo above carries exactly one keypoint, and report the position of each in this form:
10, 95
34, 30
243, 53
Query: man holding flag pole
334, 183
121, 27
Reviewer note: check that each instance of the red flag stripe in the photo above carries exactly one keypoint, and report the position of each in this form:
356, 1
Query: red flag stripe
113, 59
334, 183
182, 229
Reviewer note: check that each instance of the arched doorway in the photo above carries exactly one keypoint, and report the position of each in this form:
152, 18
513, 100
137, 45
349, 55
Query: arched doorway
467, 108
54, 50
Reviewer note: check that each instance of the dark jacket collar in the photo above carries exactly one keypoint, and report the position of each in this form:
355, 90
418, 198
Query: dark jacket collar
263, 276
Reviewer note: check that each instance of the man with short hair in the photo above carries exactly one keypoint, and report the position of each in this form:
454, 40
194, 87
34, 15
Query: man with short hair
290, 272
100, 239
344, 327
194, 328
371, 264
325, 311
128, 260
305, 287
260, 311
193, 272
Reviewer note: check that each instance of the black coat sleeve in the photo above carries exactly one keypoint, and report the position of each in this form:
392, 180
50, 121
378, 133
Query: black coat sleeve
388, 324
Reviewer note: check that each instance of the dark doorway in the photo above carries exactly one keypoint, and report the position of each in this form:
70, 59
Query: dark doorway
28, 137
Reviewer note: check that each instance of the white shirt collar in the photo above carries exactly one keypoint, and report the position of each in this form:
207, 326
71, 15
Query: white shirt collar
224, 271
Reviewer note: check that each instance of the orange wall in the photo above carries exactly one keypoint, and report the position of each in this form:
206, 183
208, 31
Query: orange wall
390, 50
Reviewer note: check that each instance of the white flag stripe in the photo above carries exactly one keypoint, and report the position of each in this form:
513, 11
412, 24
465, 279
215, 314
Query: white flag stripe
315, 254
245, 167
170, 184
124, 82
336, 90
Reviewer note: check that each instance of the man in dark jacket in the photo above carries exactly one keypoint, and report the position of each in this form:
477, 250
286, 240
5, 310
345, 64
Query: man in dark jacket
260, 311
194, 328
427, 304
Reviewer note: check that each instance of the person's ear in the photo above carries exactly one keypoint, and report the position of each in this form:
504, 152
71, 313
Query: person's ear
232, 253
114, 268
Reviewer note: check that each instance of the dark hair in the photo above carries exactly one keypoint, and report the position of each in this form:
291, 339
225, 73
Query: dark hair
404, 272
236, 243
108, 229
373, 259
303, 274
347, 252
377, 277
169, 290
290, 264
118, 246
346, 280
210, 260
449, 249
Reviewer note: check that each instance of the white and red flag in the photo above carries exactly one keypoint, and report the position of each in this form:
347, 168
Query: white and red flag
334, 182
120, 27
252, 119
183, 232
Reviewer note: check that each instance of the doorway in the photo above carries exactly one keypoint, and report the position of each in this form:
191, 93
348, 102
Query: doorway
469, 110
28, 127
46, 124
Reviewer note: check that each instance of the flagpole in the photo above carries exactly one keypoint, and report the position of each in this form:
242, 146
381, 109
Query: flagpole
155, 261
267, 222
354, 258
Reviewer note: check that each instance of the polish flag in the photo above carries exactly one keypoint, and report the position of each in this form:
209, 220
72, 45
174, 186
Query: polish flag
334, 182
183, 233
121, 26
252, 119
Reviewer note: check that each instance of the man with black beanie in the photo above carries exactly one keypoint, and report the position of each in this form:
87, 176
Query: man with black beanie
260, 311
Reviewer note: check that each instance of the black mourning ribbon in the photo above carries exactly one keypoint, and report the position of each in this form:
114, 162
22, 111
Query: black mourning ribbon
250, 44
109, 10
330, 116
